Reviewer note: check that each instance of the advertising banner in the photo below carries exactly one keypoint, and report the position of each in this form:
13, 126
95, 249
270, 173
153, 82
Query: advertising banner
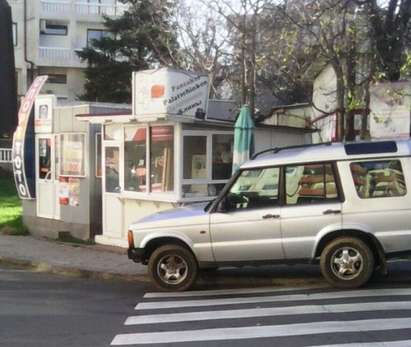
169, 92
23, 143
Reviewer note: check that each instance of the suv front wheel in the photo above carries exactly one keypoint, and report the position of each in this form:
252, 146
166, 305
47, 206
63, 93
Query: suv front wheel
172, 268
347, 262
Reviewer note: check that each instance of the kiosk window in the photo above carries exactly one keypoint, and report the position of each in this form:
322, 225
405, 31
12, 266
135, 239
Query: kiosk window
222, 156
256, 188
44, 158
195, 157
310, 183
135, 159
72, 148
112, 168
162, 159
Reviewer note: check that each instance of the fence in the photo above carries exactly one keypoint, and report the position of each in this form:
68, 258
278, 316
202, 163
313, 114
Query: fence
5, 155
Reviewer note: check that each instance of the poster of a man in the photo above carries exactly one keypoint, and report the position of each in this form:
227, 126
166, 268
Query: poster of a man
43, 112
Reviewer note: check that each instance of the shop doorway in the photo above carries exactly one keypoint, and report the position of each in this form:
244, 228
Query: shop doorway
47, 184
112, 203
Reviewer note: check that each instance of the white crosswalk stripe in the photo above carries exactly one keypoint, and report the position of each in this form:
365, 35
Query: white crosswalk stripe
197, 293
276, 298
262, 331
160, 320
402, 343
264, 312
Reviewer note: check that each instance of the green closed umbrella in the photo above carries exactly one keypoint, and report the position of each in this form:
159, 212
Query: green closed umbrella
243, 138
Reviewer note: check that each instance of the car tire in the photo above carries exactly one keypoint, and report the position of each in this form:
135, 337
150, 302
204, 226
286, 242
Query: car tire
347, 262
172, 268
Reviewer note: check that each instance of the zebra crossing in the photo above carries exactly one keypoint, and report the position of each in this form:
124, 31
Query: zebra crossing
271, 316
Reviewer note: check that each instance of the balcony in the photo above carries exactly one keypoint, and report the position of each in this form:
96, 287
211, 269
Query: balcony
81, 9
59, 57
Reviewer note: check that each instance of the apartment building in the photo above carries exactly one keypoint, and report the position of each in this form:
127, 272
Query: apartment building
47, 34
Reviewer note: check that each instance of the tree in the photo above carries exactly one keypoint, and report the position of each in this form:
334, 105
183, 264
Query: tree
342, 42
243, 32
143, 37
391, 33
203, 44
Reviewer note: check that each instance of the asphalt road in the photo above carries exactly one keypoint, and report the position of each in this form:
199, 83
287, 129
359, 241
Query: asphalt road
44, 310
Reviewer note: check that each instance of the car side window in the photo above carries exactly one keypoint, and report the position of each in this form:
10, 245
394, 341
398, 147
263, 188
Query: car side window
310, 183
378, 179
256, 188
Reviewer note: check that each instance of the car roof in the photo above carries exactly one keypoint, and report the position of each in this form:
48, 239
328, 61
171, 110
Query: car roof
329, 152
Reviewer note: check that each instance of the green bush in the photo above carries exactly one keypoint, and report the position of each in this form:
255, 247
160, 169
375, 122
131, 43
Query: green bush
11, 219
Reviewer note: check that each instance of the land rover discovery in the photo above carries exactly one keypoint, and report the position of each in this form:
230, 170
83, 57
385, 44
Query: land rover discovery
345, 206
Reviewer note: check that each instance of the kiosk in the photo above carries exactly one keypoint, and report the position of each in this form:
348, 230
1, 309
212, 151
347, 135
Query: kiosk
66, 197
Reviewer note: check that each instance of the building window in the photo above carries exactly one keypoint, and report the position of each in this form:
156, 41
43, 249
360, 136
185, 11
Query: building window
96, 35
161, 159
15, 34
57, 78
135, 161
49, 28
310, 183
378, 179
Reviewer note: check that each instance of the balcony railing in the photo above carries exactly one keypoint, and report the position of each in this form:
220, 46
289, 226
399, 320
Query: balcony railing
81, 8
85, 8
55, 7
5, 155
57, 56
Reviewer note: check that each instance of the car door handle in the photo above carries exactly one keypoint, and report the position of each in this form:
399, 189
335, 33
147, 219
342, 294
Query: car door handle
331, 212
272, 216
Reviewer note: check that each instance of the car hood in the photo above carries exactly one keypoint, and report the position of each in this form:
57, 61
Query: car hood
176, 216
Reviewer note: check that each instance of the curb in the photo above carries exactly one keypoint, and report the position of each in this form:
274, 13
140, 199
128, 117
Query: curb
37, 266
206, 280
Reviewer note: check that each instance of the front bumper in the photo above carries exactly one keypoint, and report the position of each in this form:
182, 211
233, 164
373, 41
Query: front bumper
136, 254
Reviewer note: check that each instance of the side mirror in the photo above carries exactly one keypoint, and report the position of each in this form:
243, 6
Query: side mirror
223, 205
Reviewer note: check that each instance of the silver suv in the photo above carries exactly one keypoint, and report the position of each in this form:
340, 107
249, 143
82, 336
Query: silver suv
345, 206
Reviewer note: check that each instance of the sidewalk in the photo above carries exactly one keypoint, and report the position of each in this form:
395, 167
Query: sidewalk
112, 263
102, 262
93, 261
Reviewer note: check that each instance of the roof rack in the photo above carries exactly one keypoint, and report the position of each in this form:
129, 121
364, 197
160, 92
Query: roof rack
279, 149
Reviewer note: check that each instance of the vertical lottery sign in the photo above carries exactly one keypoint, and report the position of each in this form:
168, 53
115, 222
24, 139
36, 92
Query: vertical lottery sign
23, 143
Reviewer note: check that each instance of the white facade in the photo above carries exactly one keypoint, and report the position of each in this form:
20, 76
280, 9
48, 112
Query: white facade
48, 33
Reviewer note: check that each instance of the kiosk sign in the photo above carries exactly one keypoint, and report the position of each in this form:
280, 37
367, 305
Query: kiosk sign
169, 92
23, 143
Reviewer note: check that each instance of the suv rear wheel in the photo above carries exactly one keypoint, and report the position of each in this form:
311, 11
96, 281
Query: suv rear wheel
172, 268
347, 262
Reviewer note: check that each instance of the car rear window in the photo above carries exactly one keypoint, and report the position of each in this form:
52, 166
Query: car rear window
378, 179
